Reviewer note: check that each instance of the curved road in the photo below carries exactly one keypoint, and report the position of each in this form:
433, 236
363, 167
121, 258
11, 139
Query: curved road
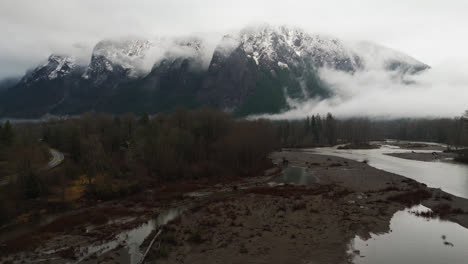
56, 160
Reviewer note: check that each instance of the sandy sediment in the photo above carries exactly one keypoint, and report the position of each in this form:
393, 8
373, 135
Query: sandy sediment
417, 145
435, 156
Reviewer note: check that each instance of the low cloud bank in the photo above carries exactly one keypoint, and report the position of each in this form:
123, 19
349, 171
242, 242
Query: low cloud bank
441, 91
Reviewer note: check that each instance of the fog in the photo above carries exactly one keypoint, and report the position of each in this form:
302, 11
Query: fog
155, 49
441, 91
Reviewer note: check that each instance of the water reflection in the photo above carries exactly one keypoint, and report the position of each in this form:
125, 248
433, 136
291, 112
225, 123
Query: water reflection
414, 240
296, 175
131, 240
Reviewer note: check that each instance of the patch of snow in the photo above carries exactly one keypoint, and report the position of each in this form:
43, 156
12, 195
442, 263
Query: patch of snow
283, 65
64, 65
255, 59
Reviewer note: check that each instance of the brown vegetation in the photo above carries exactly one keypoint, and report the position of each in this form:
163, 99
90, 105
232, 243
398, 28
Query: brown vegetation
411, 197
65, 224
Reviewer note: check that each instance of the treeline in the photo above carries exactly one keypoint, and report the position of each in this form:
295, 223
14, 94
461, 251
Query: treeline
316, 131
180, 145
312, 131
113, 156
128, 150
108, 157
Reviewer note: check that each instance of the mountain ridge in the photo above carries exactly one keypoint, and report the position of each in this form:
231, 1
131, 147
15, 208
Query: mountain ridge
256, 70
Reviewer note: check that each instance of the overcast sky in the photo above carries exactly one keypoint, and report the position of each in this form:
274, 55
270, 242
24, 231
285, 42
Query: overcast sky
432, 31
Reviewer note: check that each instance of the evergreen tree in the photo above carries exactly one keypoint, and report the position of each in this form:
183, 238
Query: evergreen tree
7, 133
307, 126
314, 128
319, 129
330, 126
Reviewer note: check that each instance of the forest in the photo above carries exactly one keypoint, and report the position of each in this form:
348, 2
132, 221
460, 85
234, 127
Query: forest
109, 157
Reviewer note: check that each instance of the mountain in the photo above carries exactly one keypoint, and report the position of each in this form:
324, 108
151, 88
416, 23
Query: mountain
41, 89
9, 82
173, 80
112, 60
260, 68
256, 70
375, 56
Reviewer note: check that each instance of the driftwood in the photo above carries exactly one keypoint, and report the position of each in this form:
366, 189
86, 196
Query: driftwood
149, 247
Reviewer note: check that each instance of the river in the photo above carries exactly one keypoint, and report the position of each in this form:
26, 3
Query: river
447, 175
412, 239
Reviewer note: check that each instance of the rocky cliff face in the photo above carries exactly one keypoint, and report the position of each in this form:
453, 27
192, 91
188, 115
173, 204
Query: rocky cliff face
257, 70
41, 89
270, 65
57, 66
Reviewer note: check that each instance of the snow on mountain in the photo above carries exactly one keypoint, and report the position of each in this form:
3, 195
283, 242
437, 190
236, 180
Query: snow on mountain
259, 69
175, 51
133, 58
56, 66
290, 46
377, 57
127, 54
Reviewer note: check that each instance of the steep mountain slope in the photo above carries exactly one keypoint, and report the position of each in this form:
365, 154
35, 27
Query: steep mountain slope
174, 80
114, 60
263, 69
7, 83
259, 69
41, 89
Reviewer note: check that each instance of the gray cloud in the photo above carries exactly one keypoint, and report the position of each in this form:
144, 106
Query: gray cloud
438, 92
429, 30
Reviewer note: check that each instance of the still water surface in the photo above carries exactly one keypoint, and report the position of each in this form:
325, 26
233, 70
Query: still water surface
414, 240
296, 175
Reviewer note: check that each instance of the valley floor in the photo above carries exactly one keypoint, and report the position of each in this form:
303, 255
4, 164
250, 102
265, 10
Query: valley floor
242, 220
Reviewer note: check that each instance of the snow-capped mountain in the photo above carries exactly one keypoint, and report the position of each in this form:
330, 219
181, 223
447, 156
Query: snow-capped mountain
116, 59
276, 64
256, 70
57, 66
289, 46
285, 45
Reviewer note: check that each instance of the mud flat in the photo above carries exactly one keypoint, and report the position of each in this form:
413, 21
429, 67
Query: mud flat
420, 156
416, 145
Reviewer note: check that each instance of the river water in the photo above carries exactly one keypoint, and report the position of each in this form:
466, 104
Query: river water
412, 239
447, 175
296, 175
130, 240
